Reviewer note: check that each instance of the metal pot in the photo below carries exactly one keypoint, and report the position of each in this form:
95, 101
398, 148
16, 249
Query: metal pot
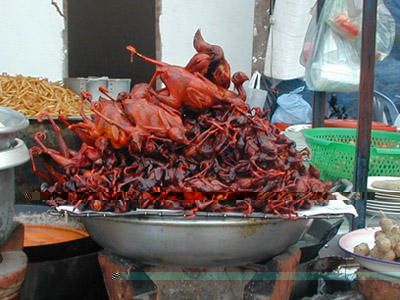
63, 271
9, 158
13, 152
198, 242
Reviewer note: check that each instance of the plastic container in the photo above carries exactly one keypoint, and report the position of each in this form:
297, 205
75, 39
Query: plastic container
281, 126
91, 84
333, 152
350, 123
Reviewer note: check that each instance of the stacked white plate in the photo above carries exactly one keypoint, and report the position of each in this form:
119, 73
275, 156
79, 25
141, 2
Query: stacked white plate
387, 201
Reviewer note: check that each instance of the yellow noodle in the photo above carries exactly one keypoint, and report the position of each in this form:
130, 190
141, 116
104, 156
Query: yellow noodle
30, 96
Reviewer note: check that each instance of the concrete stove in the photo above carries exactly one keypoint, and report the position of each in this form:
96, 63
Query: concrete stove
272, 280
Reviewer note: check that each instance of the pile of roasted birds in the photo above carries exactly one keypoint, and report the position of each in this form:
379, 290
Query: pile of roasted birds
192, 145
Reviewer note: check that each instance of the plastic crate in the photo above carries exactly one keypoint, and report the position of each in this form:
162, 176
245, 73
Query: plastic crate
333, 152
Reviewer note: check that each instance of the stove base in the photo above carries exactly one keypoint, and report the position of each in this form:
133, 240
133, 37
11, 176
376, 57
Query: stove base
14, 264
272, 280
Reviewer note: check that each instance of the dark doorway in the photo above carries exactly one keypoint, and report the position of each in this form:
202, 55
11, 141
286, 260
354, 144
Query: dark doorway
99, 31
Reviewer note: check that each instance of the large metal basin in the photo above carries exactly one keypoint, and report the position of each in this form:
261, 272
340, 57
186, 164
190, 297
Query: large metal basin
195, 243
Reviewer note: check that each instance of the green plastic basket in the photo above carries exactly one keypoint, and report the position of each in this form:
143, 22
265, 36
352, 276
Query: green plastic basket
333, 152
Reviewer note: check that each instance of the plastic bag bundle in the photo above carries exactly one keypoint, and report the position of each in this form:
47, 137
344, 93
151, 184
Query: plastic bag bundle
292, 109
289, 23
332, 47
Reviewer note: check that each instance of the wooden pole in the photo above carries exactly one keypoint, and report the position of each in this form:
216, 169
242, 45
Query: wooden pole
319, 98
367, 77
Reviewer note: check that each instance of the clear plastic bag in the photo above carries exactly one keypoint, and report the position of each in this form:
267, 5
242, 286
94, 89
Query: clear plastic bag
345, 18
385, 32
309, 39
292, 109
332, 48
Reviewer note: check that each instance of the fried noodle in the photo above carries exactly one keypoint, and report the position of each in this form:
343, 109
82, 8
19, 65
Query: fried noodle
31, 96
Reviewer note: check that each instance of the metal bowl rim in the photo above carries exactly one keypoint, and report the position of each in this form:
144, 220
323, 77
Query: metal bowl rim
181, 222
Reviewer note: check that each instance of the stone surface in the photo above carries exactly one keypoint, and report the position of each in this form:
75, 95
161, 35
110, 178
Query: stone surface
14, 264
12, 273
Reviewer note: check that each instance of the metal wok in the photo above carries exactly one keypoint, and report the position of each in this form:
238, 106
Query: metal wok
199, 242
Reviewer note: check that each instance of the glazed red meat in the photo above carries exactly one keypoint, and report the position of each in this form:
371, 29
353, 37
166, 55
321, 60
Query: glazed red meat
192, 145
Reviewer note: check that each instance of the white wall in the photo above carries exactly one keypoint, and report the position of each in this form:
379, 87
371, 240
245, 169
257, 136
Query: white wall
31, 39
31, 34
227, 23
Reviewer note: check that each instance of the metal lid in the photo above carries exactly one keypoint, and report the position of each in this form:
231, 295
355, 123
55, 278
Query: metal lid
14, 156
12, 121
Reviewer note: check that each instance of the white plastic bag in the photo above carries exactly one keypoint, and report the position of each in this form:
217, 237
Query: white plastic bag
256, 97
332, 56
260, 94
292, 109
